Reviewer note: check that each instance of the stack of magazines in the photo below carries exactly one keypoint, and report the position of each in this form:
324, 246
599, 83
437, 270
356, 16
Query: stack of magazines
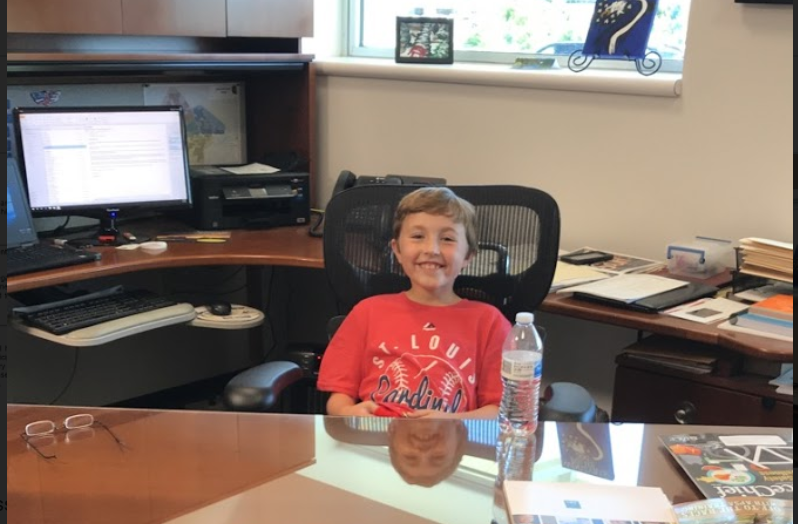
621, 264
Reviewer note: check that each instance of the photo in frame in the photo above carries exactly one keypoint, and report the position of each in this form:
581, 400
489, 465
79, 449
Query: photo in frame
424, 40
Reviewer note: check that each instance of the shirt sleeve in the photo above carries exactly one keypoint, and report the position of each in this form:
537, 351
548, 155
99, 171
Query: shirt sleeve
489, 384
341, 368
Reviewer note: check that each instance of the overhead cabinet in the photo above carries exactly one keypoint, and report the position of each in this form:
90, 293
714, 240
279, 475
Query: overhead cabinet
275, 18
174, 17
193, 18
65, 16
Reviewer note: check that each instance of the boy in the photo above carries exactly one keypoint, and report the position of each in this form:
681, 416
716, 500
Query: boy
426, 351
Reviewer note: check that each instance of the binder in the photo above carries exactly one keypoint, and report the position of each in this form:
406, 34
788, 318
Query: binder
659, 302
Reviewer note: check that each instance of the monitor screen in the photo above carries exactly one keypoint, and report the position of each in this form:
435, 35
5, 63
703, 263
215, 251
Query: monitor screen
90, 160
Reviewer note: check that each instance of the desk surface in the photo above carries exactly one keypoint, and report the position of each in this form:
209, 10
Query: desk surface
211, 467
752, 345
292, 246
287, 246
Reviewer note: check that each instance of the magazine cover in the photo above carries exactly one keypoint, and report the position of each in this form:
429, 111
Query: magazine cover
743, 510
620, 263
735, 465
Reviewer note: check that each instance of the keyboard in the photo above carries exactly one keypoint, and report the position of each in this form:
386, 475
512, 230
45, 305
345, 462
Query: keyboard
68, 315
38, 257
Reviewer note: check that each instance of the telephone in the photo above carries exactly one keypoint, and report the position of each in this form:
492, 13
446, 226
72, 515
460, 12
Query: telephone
348, 179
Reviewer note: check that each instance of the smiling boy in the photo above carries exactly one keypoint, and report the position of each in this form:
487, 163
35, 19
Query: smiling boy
426, 349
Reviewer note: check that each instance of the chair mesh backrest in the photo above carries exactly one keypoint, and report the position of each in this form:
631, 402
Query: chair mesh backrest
518, 231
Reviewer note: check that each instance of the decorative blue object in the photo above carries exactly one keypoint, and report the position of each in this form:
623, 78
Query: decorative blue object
619, 30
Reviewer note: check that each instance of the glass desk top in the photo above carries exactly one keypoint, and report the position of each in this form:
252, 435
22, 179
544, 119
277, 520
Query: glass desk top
183, 467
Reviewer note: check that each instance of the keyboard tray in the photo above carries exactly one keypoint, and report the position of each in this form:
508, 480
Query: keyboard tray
115, 329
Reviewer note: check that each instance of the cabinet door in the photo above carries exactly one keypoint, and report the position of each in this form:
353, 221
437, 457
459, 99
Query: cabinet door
100, 17
274, 18
174, 17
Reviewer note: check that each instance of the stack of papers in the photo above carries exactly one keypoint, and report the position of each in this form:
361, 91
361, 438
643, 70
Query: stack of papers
567, 275
767, 258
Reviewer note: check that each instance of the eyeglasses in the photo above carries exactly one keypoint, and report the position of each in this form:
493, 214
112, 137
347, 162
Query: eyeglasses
48, 428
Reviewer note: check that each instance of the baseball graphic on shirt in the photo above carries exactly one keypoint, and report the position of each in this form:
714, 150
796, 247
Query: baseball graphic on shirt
443, 385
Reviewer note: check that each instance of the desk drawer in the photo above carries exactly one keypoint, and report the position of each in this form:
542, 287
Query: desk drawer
647, 396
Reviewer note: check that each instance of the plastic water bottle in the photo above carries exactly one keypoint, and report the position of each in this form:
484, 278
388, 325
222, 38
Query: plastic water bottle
522, 369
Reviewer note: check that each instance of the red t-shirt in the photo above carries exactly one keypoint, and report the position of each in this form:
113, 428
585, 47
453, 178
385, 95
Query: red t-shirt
391, 349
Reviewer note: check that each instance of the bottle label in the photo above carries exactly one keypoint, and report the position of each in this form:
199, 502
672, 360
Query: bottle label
529, 366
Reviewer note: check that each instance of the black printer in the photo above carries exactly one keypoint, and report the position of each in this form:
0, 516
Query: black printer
223, 200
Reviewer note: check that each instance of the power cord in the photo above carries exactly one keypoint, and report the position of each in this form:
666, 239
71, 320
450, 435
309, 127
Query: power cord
72, 374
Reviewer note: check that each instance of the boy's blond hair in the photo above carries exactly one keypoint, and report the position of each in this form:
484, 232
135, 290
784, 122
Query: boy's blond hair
439, 201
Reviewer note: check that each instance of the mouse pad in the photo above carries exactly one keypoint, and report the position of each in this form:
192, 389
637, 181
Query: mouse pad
240, 317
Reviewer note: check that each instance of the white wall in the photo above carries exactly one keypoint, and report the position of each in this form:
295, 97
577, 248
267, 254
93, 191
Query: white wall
630, 173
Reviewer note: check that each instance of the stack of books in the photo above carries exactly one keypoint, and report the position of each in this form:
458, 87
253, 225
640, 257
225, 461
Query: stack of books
772, 315
766, 258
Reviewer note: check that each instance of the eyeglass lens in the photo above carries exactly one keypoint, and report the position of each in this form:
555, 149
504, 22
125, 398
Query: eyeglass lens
46, 427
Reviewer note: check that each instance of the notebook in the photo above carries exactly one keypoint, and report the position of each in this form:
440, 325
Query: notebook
659, 302
25, 253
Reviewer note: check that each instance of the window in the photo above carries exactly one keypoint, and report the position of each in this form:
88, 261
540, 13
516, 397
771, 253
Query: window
499, 31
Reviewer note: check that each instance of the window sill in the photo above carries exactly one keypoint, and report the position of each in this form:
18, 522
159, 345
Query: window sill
591, 81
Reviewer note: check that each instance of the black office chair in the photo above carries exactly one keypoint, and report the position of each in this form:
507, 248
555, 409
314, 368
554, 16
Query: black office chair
519, 232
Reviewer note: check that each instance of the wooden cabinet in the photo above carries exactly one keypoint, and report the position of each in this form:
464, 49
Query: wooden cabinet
646, 392
191, 18
67, 17
174, 17
274, 18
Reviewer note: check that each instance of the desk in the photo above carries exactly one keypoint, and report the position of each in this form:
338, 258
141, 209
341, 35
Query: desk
292, 246
751, 345
202, 467
288, 246
651, 393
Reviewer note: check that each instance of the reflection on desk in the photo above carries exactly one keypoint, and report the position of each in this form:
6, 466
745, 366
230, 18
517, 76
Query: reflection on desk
228, 468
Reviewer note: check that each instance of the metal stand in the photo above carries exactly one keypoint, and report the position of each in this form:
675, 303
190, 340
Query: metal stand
646, 66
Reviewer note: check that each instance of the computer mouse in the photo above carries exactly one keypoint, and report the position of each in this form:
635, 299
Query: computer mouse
220, 308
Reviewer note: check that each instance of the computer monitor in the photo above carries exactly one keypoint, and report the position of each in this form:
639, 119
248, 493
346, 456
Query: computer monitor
103, 161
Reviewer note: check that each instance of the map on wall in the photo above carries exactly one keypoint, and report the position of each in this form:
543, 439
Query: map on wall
214, 115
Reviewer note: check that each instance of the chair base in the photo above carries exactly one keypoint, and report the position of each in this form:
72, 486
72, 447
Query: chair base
568, 402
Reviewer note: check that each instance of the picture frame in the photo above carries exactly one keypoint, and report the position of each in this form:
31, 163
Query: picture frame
424, 40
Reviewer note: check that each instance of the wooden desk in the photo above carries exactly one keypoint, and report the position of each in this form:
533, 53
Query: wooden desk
223, 468
751, 345
651, 393
292, 246
287, 246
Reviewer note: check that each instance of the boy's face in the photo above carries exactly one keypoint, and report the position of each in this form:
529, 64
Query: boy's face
432, 250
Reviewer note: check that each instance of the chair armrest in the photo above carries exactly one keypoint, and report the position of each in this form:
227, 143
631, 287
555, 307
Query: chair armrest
257, 389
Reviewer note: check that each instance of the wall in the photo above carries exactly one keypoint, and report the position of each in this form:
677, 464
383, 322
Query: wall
630, 173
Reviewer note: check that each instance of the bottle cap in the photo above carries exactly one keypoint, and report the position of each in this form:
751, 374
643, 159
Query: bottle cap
524, 317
